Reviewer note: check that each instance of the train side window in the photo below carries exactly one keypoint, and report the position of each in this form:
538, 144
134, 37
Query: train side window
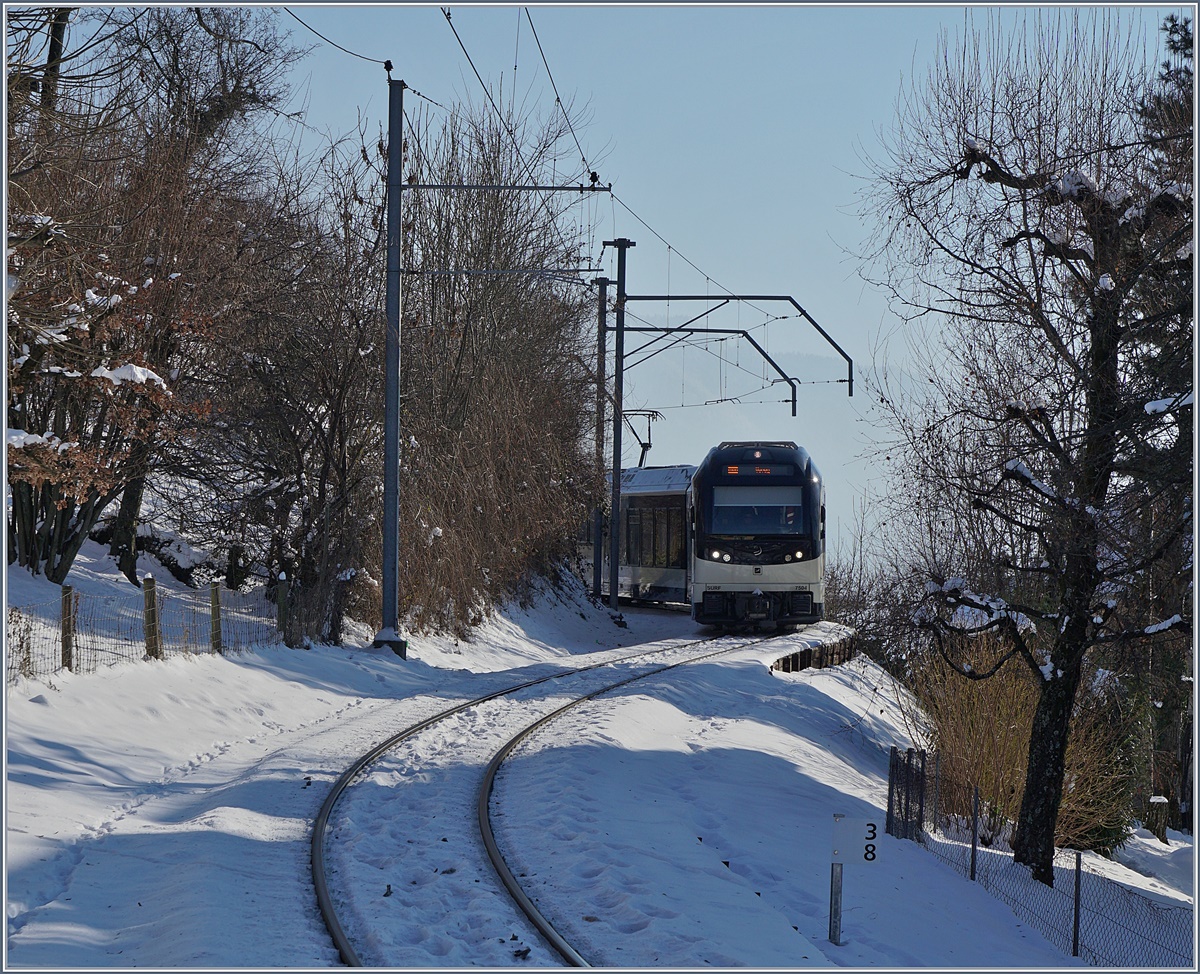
662, 530
675, 538
633, 537
647, 545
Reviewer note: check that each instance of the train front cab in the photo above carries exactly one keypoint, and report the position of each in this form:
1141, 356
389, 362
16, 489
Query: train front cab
757, 513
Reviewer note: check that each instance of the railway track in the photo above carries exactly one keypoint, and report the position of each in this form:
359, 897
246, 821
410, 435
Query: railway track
407, 847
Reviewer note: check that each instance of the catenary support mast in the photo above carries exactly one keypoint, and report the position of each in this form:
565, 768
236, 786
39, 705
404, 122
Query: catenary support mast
389, 633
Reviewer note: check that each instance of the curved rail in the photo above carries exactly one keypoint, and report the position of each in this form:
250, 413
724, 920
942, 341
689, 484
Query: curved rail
543, 925
320, 825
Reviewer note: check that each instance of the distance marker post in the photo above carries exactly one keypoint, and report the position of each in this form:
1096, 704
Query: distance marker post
854, 840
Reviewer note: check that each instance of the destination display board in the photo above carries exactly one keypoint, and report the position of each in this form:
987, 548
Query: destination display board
760, 470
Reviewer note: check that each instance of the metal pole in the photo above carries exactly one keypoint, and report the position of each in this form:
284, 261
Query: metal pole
389, 634
614, 531
601, 393
937, 788
908, 787
974, 830
1078, 898
920, 836
893, 775
835, 904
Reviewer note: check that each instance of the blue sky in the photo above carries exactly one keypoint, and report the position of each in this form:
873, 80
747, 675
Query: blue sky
737, 133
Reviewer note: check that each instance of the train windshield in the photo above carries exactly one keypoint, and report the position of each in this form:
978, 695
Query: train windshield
758, 510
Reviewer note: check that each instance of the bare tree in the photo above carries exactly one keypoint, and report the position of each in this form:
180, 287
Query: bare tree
121, 167
289, 461
1023, 213
493, 413
494, 369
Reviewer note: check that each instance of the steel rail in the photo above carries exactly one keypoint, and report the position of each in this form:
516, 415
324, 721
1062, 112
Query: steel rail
321, 824
539, 920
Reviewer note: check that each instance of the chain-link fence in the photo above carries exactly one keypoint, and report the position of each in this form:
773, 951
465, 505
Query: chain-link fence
1084, 913
82, 633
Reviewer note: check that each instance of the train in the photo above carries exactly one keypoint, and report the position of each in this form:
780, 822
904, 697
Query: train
738, 540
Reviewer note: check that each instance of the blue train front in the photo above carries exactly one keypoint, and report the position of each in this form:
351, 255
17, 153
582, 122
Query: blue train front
757, 513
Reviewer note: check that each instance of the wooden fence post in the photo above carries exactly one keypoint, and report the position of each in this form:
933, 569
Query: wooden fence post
68, 628
150, 620
215, 599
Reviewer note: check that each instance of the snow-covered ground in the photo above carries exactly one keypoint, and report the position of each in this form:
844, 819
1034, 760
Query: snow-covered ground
158, 814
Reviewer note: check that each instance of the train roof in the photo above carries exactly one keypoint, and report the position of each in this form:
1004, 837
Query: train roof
765, 451
656, 480
778, 444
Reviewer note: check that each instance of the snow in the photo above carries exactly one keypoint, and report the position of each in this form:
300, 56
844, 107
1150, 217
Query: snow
1169, 404
1019, 469
977, 611
1163, 626
19, 439
100, 301
158, 813
1074, 183
128, 373
652, 480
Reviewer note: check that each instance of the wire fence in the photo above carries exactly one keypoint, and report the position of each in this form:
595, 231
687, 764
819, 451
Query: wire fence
1084, 913
82, 633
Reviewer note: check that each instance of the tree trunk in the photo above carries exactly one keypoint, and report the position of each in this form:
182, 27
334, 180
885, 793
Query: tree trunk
1033, 843
58, 31
72, 528
47, 537
1184, 780
22, 538
123, 546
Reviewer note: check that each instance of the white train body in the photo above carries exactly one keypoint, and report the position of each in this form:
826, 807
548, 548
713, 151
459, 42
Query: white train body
757, 512
739, 539
655, 537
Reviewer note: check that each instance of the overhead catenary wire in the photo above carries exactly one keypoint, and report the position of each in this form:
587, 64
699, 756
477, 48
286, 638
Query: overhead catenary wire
516, 55
726, 367
487, 91
666, 243
504, 125
362, 57
587, 169
557, 99
344, 50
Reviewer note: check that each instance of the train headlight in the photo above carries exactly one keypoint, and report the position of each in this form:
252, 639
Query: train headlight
716, 555
725, 556
787, 557
800, 556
